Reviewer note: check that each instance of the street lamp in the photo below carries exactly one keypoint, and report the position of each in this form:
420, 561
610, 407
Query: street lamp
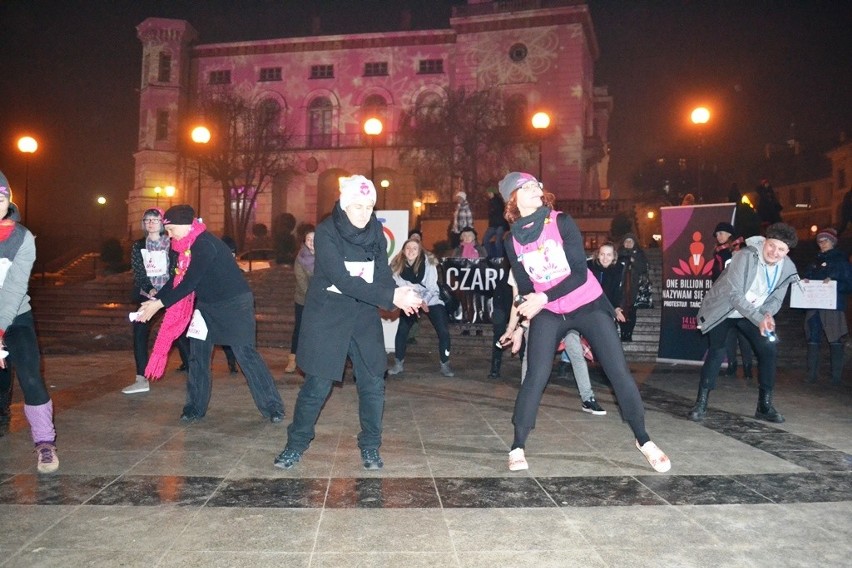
372, 128
102, 202
385, 184
200, 135
157, 191
541, 122
700, 116
27, 145
170, 193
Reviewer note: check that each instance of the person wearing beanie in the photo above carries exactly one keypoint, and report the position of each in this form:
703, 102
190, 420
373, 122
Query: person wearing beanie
829, 265
207, 276
303, 270
463, 217
18, 342
152, 261
341, 320
726, 245
556, 293
631, 255
746, 297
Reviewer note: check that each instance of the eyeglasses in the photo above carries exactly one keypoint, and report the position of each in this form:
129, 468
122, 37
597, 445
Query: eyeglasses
151, 220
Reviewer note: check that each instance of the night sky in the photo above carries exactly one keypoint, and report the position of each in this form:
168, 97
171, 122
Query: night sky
70, 74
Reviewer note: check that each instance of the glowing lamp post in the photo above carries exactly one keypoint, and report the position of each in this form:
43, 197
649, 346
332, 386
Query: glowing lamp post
157, 191
385, 184
27, 146
372, 128
700, 116
201, 136
170, 193
541, 122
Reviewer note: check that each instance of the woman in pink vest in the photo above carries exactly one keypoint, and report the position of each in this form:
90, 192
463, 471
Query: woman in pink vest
556, 295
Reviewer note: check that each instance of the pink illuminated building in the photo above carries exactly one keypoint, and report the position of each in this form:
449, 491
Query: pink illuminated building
539, 53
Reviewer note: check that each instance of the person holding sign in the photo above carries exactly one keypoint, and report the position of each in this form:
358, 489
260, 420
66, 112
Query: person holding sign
556, 294
746, 297
208, 276
351, 280
830, 264
152, 261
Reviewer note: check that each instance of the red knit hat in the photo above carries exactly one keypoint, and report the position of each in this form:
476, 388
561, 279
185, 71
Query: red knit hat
828, 233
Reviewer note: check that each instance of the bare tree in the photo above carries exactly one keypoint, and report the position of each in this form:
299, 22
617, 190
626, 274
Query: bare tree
464, 137
246, 154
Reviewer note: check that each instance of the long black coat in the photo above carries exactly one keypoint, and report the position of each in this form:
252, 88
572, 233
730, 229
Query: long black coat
332, 320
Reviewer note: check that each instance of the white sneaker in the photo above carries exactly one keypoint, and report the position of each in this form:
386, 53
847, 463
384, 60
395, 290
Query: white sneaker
48, 461
141, 385
517, 461
655, 456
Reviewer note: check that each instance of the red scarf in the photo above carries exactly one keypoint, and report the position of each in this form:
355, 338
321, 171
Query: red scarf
6, 228
178, 314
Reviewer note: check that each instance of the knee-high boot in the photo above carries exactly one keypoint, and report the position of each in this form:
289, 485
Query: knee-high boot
813, 362
700, 409
836, 362
765, 410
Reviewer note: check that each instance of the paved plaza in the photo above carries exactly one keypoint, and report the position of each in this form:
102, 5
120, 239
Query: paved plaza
136, 487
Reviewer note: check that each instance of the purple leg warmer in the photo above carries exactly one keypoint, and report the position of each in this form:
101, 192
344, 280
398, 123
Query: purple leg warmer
41, 422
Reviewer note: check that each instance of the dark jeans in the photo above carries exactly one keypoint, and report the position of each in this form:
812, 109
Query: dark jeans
24, 358
440, 321
735, 337
494, 249
141, 334
546, 330
294, 342
767, 352
258, 377
314, 392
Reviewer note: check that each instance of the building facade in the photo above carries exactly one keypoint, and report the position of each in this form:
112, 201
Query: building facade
539, 54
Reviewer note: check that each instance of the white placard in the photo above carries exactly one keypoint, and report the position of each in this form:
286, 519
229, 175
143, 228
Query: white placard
197, 327
395, 227
814, 295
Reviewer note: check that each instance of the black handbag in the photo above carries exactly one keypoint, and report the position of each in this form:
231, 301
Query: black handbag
445, 293
644, 294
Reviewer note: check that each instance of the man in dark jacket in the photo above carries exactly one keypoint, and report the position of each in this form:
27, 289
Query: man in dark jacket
351, 280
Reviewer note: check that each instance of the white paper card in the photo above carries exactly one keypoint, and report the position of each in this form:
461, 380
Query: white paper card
362, 269
814, 295
156, 262
5, 263
197, 327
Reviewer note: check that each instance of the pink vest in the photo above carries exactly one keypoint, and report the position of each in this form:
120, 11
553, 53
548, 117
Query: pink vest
545, 263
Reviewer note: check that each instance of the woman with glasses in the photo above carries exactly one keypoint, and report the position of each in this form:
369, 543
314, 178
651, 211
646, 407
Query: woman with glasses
152, 260
557, 294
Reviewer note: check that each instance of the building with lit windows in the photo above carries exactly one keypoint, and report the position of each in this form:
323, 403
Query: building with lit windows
540, 54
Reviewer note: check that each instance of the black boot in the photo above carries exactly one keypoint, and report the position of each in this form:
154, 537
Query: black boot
5, 410
765, 410
496, 362
747, 373
700, 409
813, 362
732, 368
836, 362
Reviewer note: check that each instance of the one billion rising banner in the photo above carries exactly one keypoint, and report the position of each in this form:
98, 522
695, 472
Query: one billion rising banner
688, 249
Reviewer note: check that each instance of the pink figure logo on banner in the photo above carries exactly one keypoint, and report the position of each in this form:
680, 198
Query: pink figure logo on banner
696, 265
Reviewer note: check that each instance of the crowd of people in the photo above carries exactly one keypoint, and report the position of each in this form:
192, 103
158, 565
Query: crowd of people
552, 299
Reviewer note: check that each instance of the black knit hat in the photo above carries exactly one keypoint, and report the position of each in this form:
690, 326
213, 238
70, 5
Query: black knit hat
179, 215
784, 233
727, 227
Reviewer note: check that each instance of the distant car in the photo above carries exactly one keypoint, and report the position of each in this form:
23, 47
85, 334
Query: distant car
257, 259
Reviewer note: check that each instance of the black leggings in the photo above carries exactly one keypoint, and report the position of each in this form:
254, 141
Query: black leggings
546, 329
24, 358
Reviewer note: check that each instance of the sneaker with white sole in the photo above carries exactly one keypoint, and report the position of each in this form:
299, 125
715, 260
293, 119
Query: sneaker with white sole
592, 407
655, 456
288, 458
517, 460
47, 460
372, 459
140, 385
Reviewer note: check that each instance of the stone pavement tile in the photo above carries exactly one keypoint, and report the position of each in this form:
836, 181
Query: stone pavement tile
22, 523
97, 462
599, 491
117, 528
700, 490
216, 462
384, 559
801, 487
307, 493
232, 559
395, 531
382, 493
493, 492
156, 490
652, 554
639, 528
581, 556
250, 530
56, 489
567, 464
536, 529
400, 461
80, 558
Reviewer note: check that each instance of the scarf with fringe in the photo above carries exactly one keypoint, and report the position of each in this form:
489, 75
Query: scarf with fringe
178, 314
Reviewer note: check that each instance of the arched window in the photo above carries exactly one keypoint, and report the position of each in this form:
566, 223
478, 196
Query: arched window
164, 70
319, 122
375, 106
269, 121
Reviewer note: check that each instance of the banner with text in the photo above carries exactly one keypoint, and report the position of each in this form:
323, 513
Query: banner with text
688, 250
473, 282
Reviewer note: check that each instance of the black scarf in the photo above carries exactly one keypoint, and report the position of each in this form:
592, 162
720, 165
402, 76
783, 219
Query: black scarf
370, 238
527, 229
408, 273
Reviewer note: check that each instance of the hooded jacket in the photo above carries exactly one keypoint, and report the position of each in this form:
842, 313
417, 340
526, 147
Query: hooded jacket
20, 252
728, 294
